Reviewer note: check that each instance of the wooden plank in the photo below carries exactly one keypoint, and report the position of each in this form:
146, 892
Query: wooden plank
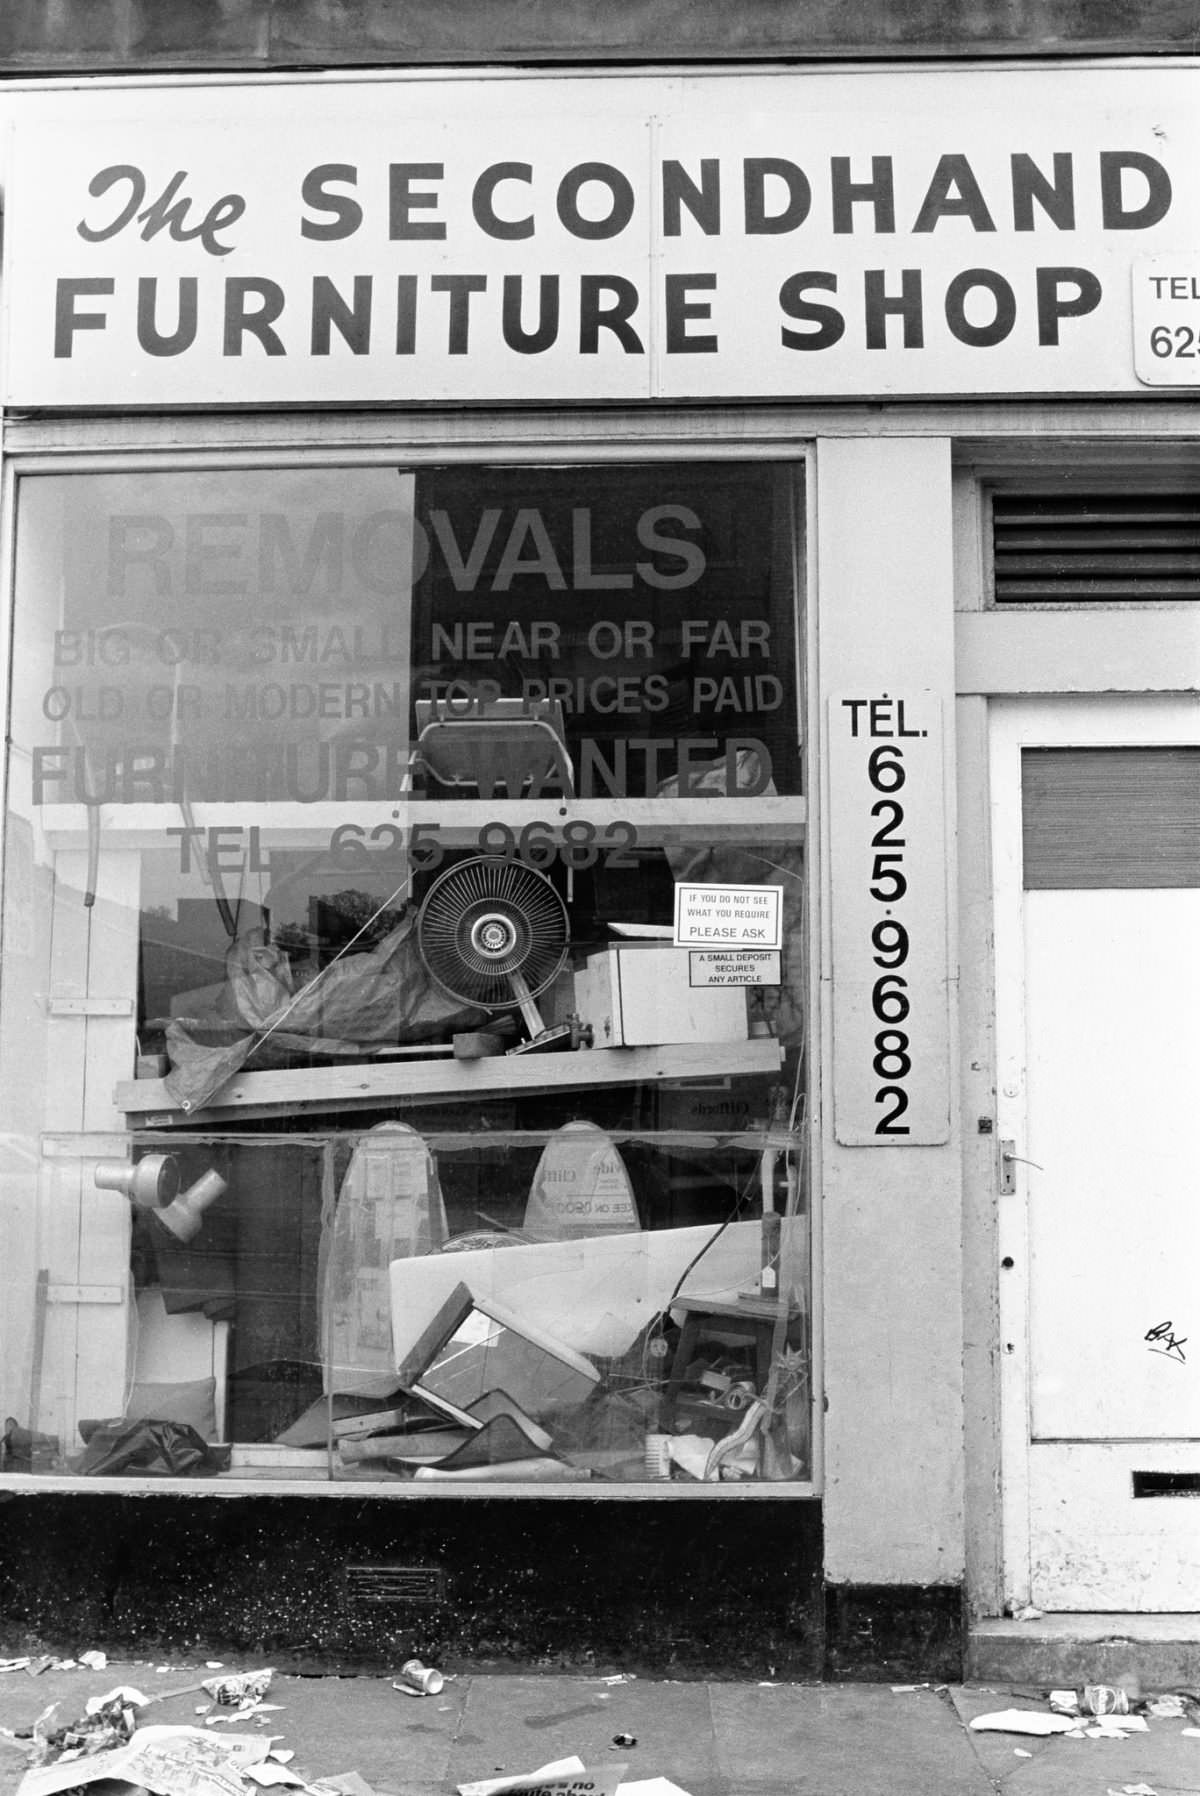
109, 1007
85, 1293
147, 1103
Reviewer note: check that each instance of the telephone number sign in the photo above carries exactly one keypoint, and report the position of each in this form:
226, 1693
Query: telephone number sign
891, 1049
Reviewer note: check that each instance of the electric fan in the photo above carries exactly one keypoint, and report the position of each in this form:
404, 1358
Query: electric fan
493, 933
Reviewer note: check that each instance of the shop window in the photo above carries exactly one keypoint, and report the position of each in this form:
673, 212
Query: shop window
402, 1022
1114, 548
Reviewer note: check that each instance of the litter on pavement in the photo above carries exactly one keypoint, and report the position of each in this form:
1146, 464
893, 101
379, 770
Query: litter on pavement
107, 1745
1094, 1712
1169, 1707
562, 1777
1023, 1721
244, 1686
1116, 1727
419, 1680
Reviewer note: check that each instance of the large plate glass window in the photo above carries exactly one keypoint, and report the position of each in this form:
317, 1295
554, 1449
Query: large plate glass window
402, 1045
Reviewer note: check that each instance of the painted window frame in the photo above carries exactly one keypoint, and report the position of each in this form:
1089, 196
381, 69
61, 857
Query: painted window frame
84, 446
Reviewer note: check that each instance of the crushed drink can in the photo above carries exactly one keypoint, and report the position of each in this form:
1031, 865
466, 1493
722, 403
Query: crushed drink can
422, 1679
1104, 1699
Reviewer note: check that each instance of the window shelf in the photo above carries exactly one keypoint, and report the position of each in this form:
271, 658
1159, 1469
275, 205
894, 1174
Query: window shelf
458, 822
365, 1085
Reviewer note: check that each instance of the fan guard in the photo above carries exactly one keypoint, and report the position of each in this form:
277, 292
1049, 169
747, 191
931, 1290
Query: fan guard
493, 932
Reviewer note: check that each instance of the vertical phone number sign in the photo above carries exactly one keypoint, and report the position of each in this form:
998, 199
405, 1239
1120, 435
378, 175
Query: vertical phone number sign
891, 1040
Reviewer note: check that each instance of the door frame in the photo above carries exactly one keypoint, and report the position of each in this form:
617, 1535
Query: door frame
1077, 721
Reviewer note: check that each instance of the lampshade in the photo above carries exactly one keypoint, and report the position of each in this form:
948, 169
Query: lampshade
184, 1216
149, 1182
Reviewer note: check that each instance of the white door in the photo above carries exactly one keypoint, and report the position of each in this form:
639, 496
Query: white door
1096, 838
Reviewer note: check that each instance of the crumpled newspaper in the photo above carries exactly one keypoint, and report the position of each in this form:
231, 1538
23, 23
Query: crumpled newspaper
108, 1722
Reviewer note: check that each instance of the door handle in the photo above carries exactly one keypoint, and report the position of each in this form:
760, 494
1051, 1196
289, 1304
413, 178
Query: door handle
1010, 1159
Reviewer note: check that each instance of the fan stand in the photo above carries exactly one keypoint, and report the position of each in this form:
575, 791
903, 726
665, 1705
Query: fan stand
492, 935
543, 1035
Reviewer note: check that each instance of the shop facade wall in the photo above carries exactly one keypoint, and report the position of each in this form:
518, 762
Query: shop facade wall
535, 1584
1128, 660
899, 1274
895, 1258
133, 35
891, 1213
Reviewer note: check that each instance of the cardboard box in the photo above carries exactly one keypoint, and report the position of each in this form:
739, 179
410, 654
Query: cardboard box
638, 994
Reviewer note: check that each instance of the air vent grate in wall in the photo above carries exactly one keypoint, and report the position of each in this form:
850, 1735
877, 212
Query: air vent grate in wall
1095, 549
395, 1584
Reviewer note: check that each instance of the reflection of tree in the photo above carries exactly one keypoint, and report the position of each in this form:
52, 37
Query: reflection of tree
345, 916
294, 941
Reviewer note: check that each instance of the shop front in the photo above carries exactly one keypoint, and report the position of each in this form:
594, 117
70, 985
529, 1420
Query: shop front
511, 594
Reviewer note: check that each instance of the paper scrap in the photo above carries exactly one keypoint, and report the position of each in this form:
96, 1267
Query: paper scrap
271, 1772
167, 1761
1024, 1721
651, 1786
562, 1777
247, 1712
493, 1786
1116, 1727
124, 1693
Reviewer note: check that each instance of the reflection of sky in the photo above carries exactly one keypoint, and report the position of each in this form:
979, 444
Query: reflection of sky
322, 555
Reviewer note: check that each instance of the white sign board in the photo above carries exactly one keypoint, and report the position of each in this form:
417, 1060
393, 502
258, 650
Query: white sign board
712, 916
891, 1044
742, 966
1166, 320
567, 237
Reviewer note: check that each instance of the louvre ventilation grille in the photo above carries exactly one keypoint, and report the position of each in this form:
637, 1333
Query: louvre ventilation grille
395, 1584
1106, 548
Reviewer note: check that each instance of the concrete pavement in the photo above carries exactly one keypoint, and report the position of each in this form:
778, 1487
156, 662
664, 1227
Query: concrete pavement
709, 1738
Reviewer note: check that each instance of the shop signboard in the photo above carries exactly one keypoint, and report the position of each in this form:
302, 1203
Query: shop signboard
558, 238
1166, 320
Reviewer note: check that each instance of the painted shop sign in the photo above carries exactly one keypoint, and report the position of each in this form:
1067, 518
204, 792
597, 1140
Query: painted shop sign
891, 1041
628, 237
